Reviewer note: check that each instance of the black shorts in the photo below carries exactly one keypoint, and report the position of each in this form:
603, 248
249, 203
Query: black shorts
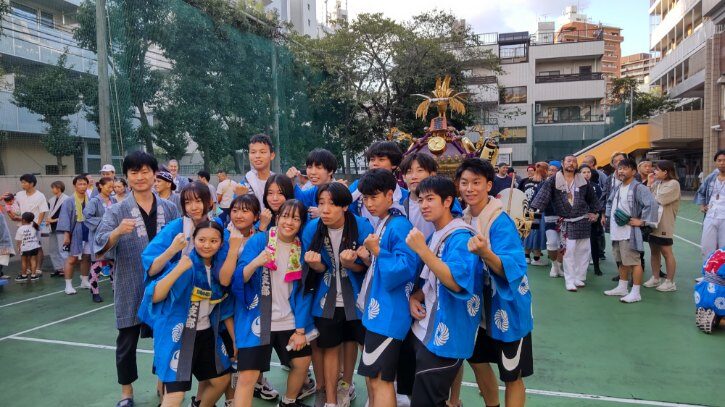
258, 357
661, 241
514, 359
424, 376
203, 365
380, 357
337, 330
227, 341
31, 253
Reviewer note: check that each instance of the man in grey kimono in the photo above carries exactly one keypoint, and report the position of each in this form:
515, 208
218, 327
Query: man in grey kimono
575, 202
630, 207
125, 231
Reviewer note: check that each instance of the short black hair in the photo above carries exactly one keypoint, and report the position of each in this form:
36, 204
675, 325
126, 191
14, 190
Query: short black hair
28, 217
424, 160
263, 139
204, 174
387, 149
29, 178
717, 154
221, 171
339, 193
283, 183
439, 185
629, 163
325, 158
477, 166
139, 159
195, 190
377, 181
246, 202
80, 177
209, 224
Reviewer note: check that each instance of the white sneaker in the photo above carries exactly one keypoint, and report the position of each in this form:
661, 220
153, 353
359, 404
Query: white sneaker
667, 286
571, 287
70, 290
631, 297
652, 282
540, 262
579, 283
554, 273
528, 260
85, 285
699, 279
402, 400
617, 291
344, 394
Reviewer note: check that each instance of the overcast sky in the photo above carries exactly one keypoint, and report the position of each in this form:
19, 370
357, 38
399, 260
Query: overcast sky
519, 15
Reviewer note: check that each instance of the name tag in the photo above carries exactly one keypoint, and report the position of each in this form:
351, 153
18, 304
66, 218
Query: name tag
199, 294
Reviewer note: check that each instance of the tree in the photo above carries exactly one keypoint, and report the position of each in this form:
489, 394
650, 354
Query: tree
646, 104
53, 92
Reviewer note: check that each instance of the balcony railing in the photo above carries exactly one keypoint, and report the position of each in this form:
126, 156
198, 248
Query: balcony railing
585, 118
569, 77
481, 80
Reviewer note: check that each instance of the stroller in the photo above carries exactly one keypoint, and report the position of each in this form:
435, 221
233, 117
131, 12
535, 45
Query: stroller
710, 293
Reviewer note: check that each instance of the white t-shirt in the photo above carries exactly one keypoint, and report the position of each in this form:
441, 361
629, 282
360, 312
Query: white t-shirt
716, 207
205, 308
336, 239
282, 317
257, 185
226, 190
28, 237
34, 203
212, 190
416, 218
430, 286
620, 233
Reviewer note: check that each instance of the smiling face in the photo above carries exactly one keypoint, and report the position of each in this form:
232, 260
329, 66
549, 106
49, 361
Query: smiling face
162, 187
194, 208
260, 156
106, 189
173, 167
242, 218
207, 242
318, 175
275, 198
141, 180
379, 203
474, 189
432, 207
119, 188
289, 223
415, 175
332, 216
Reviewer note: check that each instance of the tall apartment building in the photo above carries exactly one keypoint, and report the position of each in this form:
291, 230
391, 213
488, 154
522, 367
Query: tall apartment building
301, 14
36, 33
573, 26
550, 100
637, 66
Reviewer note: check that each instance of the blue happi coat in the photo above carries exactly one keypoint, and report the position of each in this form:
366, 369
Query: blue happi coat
79, 233
93, 214
168, 318
454, 321
386, 311
710, 292
329, 276
253, 299
400, 195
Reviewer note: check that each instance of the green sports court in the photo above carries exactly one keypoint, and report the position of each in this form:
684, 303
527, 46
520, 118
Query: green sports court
589, 349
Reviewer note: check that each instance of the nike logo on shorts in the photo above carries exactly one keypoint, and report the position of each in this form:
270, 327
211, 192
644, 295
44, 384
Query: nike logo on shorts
511, 364
370, 358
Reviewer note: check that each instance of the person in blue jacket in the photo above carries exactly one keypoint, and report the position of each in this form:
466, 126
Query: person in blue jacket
383, 298
269, 303
334, 278
185, 307
504, 336
446, 305
385, 155
321, 166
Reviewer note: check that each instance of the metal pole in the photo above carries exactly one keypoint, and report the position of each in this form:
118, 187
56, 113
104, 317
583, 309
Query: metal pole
631, 104
276, 164
104, 97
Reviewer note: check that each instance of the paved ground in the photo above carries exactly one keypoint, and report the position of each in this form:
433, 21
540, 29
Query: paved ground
589, 349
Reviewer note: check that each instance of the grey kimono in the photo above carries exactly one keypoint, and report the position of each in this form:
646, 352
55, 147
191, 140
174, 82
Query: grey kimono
644, 206
67, 223
584, 201
129, 272
93, 214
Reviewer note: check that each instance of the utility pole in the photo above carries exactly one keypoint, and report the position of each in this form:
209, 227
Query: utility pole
104, 98
631, 104
276, 165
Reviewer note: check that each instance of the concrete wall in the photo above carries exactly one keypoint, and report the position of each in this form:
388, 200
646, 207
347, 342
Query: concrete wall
21, 155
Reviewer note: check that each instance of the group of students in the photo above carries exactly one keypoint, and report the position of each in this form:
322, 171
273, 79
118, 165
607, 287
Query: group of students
406, 277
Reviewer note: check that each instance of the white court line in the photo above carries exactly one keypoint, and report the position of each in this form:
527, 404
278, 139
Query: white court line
578, 396
688, 241
690, 220
55, 322
41, 296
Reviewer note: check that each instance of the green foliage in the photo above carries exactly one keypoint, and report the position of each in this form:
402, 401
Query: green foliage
54, 92
646, 104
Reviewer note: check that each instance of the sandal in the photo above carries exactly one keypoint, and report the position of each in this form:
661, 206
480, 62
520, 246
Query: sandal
128, 402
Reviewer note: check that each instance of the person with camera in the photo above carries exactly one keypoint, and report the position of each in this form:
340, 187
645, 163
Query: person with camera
631, 212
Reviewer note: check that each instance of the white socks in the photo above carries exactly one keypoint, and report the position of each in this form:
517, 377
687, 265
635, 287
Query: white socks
84, 280
624, 284
68, 284
635, 288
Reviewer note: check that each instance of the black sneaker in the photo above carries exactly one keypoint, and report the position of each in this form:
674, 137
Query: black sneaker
21, 278
57, 273
34, 277
265, 391
98, 298
296, 403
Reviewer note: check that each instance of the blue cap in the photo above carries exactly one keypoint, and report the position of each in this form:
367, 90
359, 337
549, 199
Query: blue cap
555, 163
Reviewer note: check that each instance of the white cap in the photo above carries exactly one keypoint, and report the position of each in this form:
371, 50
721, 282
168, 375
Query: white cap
108, 168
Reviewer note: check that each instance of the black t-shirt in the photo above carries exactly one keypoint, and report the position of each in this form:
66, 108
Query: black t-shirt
528, 187
149, 220
499, 184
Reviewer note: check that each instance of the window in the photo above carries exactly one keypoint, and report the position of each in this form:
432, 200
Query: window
513, 135
516, 94
510, 54
52, 170
46, 19
24, 12
585, 69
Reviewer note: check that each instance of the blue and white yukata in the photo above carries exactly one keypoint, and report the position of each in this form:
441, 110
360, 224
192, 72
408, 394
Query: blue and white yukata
93, 214
710, 292
400, 195
79, 232
174, 320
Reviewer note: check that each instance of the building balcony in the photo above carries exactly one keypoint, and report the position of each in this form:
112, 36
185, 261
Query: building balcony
677, 127
28, 40
683, 51
569, 77
582, 118
481, 80
574, 90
